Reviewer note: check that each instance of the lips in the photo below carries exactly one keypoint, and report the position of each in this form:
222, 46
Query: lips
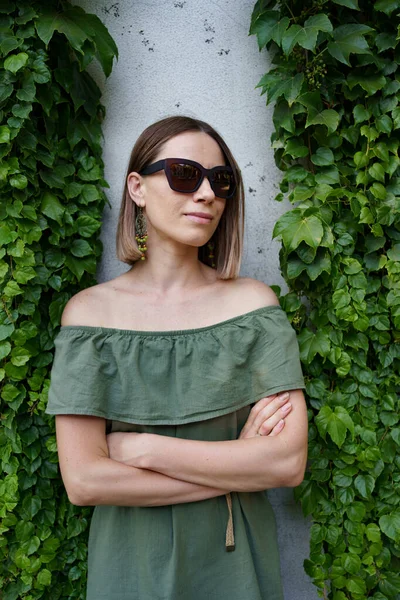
200, 215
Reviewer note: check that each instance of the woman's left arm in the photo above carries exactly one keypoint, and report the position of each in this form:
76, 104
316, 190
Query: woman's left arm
243, 465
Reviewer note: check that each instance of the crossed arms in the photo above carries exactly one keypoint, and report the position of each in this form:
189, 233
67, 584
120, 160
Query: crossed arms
140, 469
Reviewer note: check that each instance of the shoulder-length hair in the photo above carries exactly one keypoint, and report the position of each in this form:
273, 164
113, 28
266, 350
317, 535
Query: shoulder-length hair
227, 238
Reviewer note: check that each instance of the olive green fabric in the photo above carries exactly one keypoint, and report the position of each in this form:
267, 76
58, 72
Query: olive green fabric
192, 384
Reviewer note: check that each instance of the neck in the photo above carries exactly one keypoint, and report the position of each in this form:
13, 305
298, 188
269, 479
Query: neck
171, 269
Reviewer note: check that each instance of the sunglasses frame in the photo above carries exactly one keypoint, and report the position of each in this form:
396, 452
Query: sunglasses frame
164, 165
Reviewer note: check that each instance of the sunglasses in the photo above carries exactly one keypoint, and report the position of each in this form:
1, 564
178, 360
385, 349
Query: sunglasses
186, 176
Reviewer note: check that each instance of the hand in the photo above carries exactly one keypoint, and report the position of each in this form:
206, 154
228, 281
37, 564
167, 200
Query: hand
267, 417
126, 447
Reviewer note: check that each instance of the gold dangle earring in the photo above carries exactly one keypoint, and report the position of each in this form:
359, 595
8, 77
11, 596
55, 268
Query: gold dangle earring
210, 247
141, 232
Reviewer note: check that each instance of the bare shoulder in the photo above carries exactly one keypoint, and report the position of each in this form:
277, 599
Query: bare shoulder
252, 294
86, 307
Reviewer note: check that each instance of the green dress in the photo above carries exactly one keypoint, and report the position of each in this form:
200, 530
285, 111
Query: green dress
193, 384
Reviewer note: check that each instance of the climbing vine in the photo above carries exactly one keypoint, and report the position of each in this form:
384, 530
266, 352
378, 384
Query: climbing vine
51, 180
335, 84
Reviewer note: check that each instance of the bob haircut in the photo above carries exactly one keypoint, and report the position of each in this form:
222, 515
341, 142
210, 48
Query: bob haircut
227, 238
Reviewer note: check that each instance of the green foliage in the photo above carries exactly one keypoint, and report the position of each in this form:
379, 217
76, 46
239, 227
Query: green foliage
335, 82
51, 180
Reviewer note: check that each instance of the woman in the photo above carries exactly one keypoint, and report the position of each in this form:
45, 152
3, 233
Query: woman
183, 361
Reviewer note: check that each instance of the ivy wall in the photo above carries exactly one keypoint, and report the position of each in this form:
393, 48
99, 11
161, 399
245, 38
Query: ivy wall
51, 180
336, 88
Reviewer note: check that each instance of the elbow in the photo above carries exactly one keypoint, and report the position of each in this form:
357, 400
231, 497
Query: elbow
78, 499
295, 471
292, 473
78, 493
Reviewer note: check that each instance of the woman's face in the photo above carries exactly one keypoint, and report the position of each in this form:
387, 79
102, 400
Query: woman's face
172, 215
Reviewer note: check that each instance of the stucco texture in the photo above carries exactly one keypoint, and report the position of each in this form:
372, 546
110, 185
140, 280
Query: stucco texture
196, 58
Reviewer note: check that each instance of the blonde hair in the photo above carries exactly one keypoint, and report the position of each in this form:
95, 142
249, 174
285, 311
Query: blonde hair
228, 237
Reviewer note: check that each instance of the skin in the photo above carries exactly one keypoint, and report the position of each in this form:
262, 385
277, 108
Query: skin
172, 290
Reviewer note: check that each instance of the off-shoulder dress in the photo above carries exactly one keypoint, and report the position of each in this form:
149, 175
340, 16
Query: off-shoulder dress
192, 384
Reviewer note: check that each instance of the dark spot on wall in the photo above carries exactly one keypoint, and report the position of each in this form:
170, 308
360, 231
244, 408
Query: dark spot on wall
208, 27
209, 41
252, 191
260, 250
222, 52
113, 9
146, 42
177, 104
249, 164
180, 4
262, 178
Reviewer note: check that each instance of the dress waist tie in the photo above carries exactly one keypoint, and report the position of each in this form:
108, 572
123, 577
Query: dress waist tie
230, 535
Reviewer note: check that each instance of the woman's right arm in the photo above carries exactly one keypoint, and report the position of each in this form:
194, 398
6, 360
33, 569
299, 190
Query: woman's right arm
92, 478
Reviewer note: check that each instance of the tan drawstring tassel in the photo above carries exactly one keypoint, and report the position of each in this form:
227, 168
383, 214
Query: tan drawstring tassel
230, 536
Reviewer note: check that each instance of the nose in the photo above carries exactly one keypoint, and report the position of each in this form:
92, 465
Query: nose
205, 192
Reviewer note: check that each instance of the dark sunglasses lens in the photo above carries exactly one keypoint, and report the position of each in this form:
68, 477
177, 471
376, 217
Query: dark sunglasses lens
184, 177
223, 183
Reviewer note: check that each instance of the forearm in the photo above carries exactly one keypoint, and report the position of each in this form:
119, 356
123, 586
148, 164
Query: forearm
106, 481
240, 465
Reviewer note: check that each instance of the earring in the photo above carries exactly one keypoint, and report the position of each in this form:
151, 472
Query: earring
141, 232
210, 247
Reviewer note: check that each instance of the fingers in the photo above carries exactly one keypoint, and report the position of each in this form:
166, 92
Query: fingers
266, 414
278, 428
269, 424
269, 416
248, 428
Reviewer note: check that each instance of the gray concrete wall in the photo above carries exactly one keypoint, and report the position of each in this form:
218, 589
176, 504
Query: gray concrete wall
195, 58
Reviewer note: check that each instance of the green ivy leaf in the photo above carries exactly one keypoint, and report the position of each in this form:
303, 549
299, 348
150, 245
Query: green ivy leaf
295, 227
106, 48
52, 207
384, 41
348, 3
309, 494
323, 157
67, 23
305, 36
18, 181
5, 349
4, 134
330, 118
370, 83
266, 27
328, 176
341, 298
356, 511
15, 62
378, 190
390, 525
377, 172
387, 6
313, 343
275, 84
43, 578
86, 226
365, 485
349, 39
356, 585
384, 124
336, 423
361, 114
81, 248
352, 563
